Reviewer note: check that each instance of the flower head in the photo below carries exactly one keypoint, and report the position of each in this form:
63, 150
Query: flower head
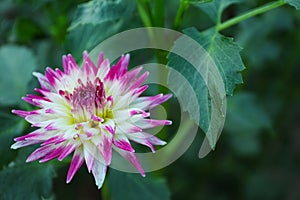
90, 111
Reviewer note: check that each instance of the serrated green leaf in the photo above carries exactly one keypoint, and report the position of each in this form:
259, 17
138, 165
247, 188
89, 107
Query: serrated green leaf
134, 187
10, 127
295, 3
16, 67
215, 8
99, 12
28, 181
86, 37
225, 54
197, 2
86, 32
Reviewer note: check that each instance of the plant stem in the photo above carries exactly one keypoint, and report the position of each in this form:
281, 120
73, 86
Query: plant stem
145, 12
159, 13
250, 14
105, 191
180, 12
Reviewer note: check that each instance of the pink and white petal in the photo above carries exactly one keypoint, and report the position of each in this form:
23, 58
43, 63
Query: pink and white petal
54, 154
138, 91
77, 161
99, 155
139, 81
24, 143
89, 150
150, 123
39, 153
100, 59
54, 140
66, 151
122, 142
69, 64
23, 113
51, 76
146, 139
147, 103
35, 100
105, 148
127, 127
131, 76
99, 172
118, 70
88, 67
103, 69
160, 100
132, 158
44, 82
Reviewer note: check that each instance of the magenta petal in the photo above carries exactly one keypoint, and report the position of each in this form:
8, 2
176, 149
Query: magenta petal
123, 144
53, 154
67, 150
53, 140
119, 69
34, 100
146, 139
69, 64
39, 153
100, 59
44, 82
89, 151
107, 149
31, 136
150, 123
88, 66
76, 163
140, 90
24, 143
23, 113
139, 81
131, 157
51, 76
160, 100
132, 75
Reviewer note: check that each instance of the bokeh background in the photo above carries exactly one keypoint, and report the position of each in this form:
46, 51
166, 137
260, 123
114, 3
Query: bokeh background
258, 153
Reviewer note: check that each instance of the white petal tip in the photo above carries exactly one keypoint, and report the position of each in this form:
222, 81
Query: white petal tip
168, 122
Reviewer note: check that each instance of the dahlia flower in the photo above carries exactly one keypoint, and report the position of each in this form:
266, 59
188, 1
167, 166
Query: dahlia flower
90, 111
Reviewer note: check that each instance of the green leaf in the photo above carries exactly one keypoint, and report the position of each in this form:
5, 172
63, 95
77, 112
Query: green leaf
16, 67
215, 8
28, 181
10, 127
295, 3
99, 12
86, 31
246, 117
225, 54
135, 187
197, 2
88, 36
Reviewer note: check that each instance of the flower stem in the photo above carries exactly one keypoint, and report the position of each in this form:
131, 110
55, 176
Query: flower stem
105, 191
159, 13
250, 14
145, 12
180, 12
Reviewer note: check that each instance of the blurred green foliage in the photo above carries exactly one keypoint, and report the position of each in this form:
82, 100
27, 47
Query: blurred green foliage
257, 155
